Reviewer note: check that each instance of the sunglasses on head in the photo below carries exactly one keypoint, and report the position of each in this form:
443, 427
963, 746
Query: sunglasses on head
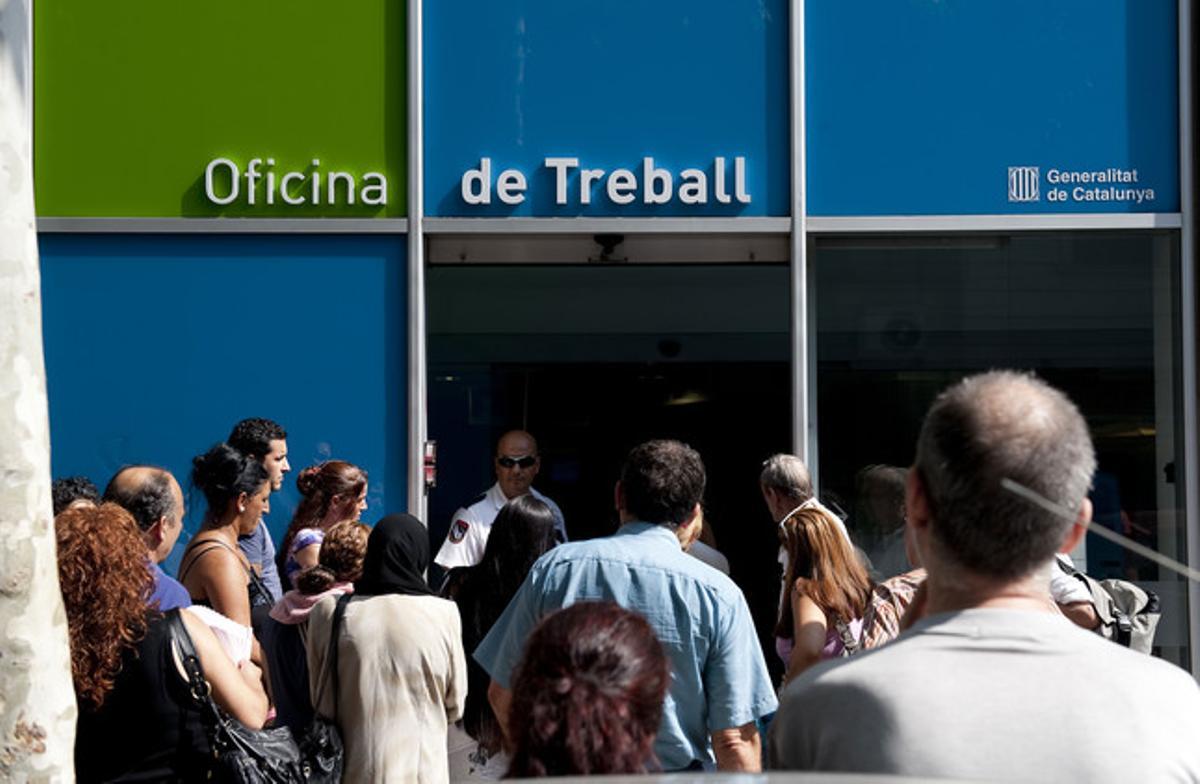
512, 462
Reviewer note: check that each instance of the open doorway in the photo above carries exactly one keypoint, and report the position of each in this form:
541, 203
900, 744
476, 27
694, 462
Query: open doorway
593, 359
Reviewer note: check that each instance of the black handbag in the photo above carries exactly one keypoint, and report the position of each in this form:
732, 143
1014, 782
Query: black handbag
321, 748
240, 754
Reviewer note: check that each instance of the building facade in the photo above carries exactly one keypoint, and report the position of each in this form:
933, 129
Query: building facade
760, 226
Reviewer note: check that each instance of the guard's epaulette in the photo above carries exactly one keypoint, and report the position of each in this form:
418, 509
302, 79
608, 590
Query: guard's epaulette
477, 499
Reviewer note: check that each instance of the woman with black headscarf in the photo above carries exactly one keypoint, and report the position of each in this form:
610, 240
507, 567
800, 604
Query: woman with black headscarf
401, 673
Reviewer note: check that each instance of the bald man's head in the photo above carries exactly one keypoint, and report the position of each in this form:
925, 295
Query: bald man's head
155, 500
516, 463
991, 427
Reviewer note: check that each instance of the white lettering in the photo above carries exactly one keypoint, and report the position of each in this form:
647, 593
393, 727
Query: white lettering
270, 182
658, 185
376, 191
332, 181
739, 180
289, 187
651, 177
693, 187
252, 176
561, 166
621, 184
285, 192
477, 183
587, 178
719, 180
210, 192
510, 187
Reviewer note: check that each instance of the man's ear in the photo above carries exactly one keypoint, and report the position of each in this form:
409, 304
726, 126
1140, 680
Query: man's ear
916, 500
619, 496
154, 534
689, 530
1078, 528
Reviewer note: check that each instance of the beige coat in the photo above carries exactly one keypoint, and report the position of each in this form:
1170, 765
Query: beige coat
402, 680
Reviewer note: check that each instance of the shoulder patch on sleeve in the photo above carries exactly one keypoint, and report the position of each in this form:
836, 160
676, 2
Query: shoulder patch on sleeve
458, 530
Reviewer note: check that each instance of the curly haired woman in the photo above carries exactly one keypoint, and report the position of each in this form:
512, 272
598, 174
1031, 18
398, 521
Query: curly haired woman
137, 718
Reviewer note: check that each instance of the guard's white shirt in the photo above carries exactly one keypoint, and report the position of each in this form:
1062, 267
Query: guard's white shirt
471, 525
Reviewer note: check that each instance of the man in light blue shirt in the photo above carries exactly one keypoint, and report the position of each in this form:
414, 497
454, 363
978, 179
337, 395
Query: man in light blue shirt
719, 683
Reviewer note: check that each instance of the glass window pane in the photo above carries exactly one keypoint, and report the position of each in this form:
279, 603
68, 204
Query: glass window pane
1095, 314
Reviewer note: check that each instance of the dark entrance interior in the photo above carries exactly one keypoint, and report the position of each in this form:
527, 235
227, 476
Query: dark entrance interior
595, 359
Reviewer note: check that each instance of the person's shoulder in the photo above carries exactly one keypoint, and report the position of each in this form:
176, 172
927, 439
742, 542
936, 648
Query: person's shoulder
709, 555
322, 611
705, 576
1142, 673
567, 554
206, 553
474, 502
842, 681
429, 606
545, 499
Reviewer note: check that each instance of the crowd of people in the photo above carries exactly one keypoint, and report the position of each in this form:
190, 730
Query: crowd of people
635, 652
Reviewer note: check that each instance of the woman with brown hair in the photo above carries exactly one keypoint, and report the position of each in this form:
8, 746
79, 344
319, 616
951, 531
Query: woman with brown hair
137, 718
827, 591
331, 492
588, 694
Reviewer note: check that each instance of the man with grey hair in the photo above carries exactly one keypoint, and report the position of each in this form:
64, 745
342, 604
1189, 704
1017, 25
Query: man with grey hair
786, 487
991, 682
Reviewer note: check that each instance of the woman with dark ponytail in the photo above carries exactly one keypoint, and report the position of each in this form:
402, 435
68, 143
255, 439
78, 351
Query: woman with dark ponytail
588, 694
214, 571
523, 531
331, 492
341, 563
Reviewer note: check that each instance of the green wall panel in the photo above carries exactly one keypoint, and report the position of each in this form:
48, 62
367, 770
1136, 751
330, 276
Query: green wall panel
133, 99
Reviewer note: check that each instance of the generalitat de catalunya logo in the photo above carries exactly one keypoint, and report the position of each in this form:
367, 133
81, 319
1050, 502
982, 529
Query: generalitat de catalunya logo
1023, 183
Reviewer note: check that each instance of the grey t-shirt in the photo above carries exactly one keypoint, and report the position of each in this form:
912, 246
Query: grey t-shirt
998, 695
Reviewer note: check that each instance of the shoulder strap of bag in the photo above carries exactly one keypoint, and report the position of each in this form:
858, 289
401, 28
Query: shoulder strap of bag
197, 685
849, 643
339, 612
207, 550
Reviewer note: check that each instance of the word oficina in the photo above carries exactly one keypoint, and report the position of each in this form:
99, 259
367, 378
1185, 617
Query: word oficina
264, 186
621, 186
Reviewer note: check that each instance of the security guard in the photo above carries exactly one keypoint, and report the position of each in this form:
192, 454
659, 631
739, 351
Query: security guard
517, 463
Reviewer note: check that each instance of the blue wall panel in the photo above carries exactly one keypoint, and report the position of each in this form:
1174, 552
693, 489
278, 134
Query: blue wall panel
156, 345
921, 106
607, 81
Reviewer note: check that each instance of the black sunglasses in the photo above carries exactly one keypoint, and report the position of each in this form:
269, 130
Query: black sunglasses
511, 462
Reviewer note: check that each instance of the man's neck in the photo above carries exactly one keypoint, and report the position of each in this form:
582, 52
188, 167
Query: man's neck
950, 590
